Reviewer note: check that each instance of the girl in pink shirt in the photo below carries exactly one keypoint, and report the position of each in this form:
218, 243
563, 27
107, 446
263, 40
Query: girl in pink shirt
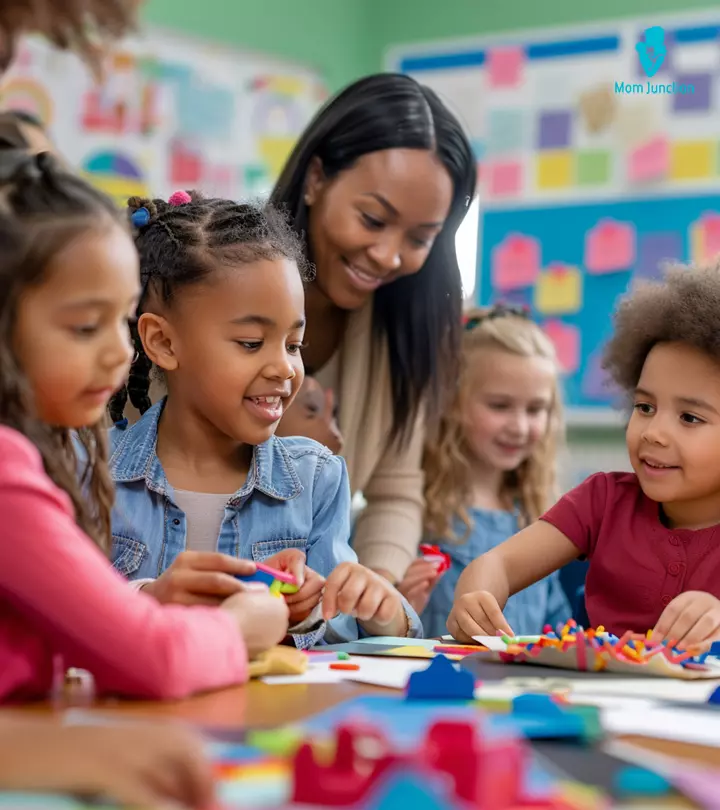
70, 282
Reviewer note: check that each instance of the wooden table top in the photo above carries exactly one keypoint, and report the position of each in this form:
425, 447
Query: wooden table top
259, 705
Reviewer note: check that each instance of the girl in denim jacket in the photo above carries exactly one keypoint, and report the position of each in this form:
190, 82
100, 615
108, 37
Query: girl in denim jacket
203, 485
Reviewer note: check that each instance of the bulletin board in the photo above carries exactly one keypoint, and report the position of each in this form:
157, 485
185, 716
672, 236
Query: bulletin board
171, 113
591, 174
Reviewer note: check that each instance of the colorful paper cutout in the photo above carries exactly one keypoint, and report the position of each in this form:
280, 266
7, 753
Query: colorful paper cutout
596, 383
655, 249
610, 247
506, 131
598, 108
558, 290
554, 169
692, 160
504, 179
650, 161
700, 100
554, 129
505, 66
593, 167
705, 239
515, 262
566, 340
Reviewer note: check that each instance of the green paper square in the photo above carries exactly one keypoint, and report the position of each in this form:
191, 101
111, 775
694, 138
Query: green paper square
593, 167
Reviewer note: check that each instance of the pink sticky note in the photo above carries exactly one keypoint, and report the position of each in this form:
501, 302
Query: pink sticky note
504, 178
566, 340
610, 247
651, 161
515, 262
504, 66
711, 236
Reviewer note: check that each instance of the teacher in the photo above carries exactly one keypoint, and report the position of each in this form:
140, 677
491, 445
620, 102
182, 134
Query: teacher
378, 184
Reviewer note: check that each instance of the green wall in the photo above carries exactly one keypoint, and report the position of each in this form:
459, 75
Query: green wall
346, 39
406, 21
326, 34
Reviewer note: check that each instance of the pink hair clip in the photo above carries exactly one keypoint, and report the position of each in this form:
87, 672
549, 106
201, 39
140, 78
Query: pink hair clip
179, 198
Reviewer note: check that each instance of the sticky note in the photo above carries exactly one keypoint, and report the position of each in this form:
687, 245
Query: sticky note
566, 340
515, 262
554, 169
505, 66
505, 131
697, 101
705, 239
593, 167
692, 160
558, 290
649, 161
610, 247
554, 129
596, 384
654, 250
504, 178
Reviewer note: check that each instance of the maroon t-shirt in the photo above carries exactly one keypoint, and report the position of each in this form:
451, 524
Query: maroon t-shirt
637, 565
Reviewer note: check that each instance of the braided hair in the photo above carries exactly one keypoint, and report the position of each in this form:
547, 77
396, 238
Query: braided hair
42, 208
180, 243
83, 26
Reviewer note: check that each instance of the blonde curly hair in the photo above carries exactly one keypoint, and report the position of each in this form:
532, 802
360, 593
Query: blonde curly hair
447, 458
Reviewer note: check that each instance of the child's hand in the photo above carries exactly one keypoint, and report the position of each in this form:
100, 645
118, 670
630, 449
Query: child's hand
302, 603
690, 620
200, 578
419, 580
131, 765
357, 591
476, 614
261, 617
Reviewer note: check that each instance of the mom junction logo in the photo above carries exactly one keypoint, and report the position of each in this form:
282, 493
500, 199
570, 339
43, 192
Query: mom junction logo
651, 51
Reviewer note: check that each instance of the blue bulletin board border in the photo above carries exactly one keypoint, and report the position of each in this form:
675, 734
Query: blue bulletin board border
560, 233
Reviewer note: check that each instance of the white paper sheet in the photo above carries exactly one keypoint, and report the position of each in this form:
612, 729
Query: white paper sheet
390, 672
682, 725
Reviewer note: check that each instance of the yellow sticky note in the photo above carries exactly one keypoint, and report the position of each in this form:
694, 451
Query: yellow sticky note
692, 160
554, 169
558, 290
274, 152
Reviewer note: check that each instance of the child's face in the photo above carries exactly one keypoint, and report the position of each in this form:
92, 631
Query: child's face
72, 339
506, 406
231, 347
313, 416
673, 436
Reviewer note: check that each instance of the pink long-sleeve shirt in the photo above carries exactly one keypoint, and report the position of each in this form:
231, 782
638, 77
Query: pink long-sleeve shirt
60, 596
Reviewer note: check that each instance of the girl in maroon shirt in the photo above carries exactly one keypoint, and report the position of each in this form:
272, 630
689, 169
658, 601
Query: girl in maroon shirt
652, 536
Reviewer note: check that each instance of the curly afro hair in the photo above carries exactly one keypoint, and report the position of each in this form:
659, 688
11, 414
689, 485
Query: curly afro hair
684, 308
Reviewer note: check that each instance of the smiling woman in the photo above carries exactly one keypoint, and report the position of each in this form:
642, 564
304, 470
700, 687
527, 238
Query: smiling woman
378, 184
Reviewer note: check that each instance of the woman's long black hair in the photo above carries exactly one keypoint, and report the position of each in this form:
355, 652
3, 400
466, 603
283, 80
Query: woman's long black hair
419, 315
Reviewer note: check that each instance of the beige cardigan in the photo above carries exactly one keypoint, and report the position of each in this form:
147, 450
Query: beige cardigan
389, 528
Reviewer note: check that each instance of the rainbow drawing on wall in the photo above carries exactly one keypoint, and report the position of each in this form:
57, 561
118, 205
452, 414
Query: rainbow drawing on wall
28, 95
116, 175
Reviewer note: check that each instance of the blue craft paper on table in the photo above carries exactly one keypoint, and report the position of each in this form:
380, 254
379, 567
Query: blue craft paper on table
404, 722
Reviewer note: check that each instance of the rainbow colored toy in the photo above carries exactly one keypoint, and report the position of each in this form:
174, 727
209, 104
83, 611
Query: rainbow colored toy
278, 582
595, 650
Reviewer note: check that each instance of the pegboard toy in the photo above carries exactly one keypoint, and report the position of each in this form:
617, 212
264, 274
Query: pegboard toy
595, 650
279, 582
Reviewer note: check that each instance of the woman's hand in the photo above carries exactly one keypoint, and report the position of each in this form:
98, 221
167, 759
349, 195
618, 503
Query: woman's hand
418, 582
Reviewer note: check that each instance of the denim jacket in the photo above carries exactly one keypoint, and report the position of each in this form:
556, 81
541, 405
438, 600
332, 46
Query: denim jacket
296, 496
527, 612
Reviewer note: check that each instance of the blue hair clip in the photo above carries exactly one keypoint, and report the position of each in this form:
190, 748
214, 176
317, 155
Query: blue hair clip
140, 218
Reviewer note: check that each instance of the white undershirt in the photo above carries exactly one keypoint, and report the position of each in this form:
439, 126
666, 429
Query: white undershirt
204, 513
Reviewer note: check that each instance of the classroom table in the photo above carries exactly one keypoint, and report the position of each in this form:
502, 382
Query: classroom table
259, 705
